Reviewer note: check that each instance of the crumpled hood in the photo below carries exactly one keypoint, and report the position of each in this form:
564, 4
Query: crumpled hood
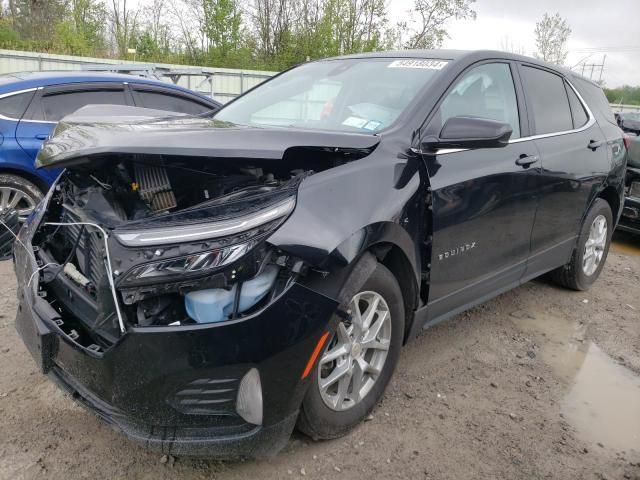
98, 130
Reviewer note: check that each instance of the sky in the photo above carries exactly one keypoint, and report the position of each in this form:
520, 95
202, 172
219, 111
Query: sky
598, 27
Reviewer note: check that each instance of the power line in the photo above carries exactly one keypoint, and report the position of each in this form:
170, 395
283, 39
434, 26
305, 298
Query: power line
625, 49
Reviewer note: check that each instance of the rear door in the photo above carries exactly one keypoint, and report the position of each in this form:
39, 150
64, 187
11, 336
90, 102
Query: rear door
171, 100
484, 200
12, 108
52, 103
575, 161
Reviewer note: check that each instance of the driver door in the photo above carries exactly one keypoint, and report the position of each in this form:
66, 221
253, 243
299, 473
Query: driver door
484, 200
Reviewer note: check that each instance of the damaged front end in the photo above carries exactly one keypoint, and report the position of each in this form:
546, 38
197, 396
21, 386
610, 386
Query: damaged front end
149, 290
174, 250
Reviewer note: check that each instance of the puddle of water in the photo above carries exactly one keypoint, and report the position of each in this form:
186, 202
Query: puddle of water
626, 244
603, 400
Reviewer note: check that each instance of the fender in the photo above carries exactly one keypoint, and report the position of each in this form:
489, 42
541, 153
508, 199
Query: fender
336, 218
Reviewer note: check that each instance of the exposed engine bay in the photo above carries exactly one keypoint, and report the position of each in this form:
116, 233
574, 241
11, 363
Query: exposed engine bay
139, 189
123, 242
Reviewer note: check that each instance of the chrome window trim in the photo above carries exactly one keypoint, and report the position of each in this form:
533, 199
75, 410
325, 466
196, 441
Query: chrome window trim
590, 122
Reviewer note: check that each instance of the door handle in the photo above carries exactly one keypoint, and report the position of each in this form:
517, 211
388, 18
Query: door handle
526, 160
594, 145
42, 136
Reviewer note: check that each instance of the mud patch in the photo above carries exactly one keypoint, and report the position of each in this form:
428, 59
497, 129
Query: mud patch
603, 398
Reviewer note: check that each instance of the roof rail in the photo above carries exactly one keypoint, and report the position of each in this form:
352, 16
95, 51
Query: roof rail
142, 70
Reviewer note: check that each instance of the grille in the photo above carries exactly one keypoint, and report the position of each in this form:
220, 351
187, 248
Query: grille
207, 396
90, 250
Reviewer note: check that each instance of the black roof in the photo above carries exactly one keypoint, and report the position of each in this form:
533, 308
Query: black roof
466, 55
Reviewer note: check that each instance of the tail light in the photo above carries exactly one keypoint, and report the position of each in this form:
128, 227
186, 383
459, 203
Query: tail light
627, 141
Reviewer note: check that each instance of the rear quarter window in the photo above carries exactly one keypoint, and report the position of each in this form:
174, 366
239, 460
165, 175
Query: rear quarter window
14, 106
596, 99
577, 110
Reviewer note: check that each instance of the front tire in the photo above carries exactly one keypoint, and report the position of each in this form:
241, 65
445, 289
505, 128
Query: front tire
590, 254
18, 193
358, 361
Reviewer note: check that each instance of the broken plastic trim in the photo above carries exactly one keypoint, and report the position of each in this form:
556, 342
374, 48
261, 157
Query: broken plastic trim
105, 237
190, 233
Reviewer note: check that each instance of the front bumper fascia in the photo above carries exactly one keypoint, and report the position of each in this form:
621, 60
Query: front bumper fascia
138, 384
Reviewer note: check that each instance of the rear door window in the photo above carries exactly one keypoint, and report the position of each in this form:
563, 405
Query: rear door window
548, 100
161, 99
13, 106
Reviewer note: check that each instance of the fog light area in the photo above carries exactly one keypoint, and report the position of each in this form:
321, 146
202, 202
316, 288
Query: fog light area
249, 402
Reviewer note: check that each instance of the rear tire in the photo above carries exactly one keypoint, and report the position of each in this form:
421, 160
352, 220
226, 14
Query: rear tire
18, 193
591, 251
322, 415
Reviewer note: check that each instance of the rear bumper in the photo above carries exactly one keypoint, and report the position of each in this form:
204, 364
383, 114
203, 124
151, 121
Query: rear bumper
174, 389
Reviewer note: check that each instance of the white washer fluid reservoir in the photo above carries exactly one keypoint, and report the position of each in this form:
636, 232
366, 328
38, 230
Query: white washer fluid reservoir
216, 304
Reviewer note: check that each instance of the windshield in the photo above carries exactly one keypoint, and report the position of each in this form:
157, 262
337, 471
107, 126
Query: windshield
362, 95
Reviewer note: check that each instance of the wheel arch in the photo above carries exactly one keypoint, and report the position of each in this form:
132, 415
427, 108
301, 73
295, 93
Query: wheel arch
394, 258
611, 195
393, 247
27, 175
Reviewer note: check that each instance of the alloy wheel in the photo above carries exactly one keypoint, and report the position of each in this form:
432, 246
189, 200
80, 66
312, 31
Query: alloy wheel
353, 360
14, 199
595, 245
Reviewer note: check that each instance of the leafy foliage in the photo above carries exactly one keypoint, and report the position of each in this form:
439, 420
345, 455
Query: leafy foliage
552, 33
262, 34
626, 95
433, 15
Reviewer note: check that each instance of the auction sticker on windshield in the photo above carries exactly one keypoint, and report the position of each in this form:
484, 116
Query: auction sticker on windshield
417, 63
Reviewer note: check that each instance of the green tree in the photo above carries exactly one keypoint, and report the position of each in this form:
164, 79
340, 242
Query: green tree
124, 25
36, 19
626, 95
552, 33
82, 30
429, 29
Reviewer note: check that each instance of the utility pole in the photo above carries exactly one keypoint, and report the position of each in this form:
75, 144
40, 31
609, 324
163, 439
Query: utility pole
595, 70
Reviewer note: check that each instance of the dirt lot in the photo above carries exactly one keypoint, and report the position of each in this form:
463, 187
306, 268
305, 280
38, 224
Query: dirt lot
538, 383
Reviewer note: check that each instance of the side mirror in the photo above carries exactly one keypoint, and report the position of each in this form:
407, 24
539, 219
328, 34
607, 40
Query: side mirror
471, 132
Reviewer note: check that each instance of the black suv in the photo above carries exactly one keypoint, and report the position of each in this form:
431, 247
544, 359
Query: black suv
205, 285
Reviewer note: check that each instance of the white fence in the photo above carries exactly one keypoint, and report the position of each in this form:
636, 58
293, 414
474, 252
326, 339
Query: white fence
625, 108
223, 84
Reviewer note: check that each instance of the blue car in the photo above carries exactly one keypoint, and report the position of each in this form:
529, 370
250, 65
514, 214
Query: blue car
32, 103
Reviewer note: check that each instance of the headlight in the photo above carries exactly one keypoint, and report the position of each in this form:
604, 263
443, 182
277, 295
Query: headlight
205, 231
185, 267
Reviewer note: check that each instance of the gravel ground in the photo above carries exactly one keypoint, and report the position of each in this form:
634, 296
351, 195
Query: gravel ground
538, 383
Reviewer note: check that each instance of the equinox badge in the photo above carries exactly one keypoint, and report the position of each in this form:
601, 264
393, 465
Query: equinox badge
457, 251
